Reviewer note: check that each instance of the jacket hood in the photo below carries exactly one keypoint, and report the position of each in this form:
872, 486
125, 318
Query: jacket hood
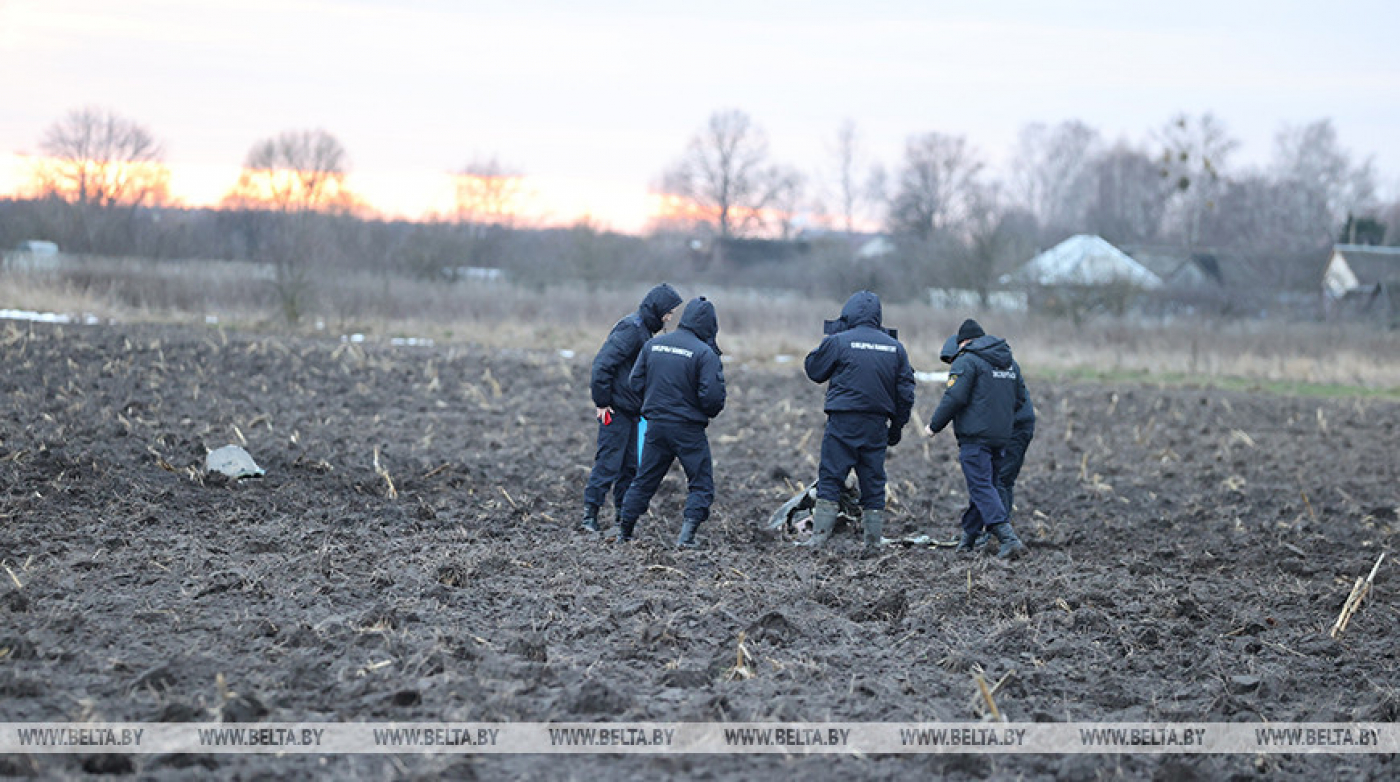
993, 350
862, 309
658, 301
699, 319
949, 351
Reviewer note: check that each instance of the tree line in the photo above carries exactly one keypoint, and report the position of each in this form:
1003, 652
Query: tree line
101, 186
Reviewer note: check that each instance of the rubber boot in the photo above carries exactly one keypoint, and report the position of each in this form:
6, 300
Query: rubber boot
823, 523
983, 538
625, 529
968, 543
874, 523
590, 517
687, 538
1011, 546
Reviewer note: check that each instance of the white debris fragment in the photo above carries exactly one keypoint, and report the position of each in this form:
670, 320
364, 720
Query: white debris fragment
232, 461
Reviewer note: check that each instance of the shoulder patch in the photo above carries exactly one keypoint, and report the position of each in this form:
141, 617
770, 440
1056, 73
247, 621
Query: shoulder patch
951, 380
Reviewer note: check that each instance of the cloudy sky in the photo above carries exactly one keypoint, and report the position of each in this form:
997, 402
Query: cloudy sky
592, 100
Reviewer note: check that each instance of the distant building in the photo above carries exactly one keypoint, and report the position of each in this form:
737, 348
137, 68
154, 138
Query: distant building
1179, 268
38, 247
33, 255
876, 247
1082, 276
1362, 282
1085, 261
485, 274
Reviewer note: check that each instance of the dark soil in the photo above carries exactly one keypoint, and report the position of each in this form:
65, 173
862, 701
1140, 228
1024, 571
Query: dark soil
1190, 549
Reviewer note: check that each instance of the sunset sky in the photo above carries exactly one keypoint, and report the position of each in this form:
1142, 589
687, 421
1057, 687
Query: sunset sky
593, 100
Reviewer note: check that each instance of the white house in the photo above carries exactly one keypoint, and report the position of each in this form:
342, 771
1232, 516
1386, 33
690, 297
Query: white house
1084, 261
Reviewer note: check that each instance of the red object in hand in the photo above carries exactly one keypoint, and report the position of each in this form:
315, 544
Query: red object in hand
607, 417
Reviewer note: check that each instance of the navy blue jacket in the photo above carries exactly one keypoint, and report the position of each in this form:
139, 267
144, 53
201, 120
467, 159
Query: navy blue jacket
613, 364
678, 375
1023, 426
983, 394
868, 369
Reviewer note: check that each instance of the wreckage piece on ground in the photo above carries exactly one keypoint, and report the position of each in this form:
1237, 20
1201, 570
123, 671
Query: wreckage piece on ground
793, 521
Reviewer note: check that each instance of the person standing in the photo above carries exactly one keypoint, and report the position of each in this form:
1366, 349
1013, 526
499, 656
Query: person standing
617, 406
982, 395
869, 396
681, 384
1014, 454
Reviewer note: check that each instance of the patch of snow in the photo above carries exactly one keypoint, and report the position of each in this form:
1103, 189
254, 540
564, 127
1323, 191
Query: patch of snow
48, 317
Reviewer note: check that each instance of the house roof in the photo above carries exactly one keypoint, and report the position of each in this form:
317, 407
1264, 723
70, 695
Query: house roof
1175, 265
1370, 264
1086, 260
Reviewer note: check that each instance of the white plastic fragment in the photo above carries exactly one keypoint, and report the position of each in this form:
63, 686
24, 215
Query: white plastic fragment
233, 462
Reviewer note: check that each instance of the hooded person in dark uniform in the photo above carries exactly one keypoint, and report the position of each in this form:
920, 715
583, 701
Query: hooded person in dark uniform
681, 384
983, 393
1013, 456
869, 395
618, 407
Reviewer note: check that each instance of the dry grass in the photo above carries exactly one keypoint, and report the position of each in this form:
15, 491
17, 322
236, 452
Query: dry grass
757, 328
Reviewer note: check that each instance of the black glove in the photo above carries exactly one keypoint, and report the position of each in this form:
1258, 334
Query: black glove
896, 432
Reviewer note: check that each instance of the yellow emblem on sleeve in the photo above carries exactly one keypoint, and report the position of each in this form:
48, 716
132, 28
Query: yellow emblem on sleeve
951, 380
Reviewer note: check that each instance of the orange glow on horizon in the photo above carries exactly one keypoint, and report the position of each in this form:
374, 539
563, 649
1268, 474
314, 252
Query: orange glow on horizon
105, 182
285, 189
674, 210
414, 196
490, 198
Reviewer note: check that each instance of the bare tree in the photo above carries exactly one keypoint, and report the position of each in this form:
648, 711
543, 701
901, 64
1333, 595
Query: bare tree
105, 166
1271, 227
852, 181
1129, 196
1194, 158
789, 188
1052, 172
299, 177
1327, 186
488, 193
295, 172
997, 238
1389, 216
726, 176
935, 187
